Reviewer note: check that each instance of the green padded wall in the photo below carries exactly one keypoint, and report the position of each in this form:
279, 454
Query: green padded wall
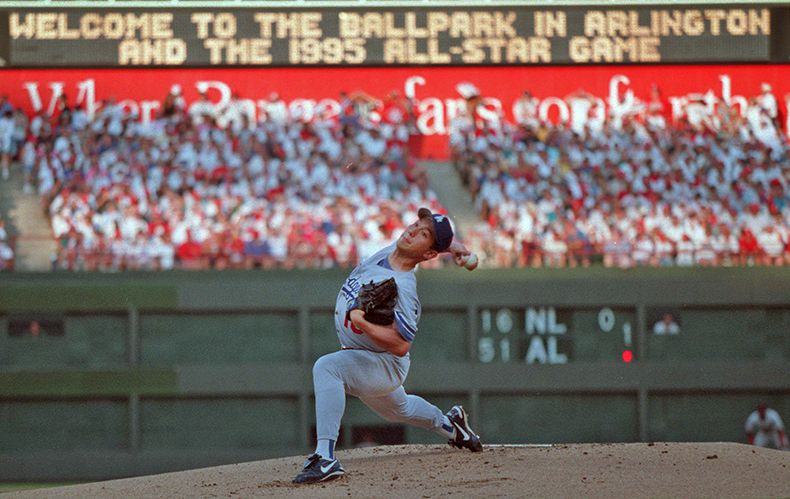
219, 423
42, 352
441, 337
553, 418
221, 338
323, 337
34, 425
4, 357
88, 291
97, 341
778, 331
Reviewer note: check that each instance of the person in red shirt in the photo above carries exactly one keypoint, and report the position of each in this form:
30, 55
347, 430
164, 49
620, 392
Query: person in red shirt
189, 253
748, 247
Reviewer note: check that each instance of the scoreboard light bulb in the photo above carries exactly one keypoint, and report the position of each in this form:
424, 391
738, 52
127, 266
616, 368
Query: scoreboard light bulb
628, 356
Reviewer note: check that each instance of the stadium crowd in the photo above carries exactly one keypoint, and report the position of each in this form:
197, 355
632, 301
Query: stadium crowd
206, 187
628, 188
13, 127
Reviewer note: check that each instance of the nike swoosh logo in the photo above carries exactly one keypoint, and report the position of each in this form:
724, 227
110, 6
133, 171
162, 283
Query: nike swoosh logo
328, 467
465, 434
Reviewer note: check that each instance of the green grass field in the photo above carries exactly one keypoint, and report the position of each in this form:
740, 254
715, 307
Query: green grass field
13, 486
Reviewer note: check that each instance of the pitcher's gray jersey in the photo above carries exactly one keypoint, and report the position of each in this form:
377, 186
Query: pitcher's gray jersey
407, 310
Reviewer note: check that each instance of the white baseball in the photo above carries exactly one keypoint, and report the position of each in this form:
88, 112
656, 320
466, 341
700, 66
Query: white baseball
470, 262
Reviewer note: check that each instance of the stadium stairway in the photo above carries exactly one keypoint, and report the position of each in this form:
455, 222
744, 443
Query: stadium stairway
25, 220
446, 182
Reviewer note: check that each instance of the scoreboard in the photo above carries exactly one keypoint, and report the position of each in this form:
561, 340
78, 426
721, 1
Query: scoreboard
544, 334
554, 335
365, 36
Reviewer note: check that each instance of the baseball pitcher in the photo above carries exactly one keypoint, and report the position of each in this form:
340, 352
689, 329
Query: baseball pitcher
376, 318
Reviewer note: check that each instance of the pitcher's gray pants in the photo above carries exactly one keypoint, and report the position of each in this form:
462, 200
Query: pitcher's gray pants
377, 380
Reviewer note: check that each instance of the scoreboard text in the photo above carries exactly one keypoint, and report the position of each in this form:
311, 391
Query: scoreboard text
392, 36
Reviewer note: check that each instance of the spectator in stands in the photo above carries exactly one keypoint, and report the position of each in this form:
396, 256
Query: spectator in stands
617, 251
771, 246
767, 103
7, 145
237, 114
748, 248
203, 110
173, 103
525, 111
6, 256
555, 249
61, 116
20, 129
684, 251
644, 253
6, 251
654, 115
5, 105
276, 110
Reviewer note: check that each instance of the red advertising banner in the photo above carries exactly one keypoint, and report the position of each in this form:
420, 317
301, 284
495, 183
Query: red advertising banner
434, 90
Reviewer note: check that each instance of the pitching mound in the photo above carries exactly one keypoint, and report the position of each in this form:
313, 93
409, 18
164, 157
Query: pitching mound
422, 471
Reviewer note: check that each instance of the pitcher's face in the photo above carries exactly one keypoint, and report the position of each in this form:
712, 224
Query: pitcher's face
418, 238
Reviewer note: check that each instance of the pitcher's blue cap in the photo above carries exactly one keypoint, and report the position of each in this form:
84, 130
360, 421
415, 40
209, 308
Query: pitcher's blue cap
442, 230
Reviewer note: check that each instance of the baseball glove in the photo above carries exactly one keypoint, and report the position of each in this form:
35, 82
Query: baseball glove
378, 300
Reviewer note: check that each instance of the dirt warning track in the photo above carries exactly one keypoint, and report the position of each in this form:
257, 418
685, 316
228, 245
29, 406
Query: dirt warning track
425, 471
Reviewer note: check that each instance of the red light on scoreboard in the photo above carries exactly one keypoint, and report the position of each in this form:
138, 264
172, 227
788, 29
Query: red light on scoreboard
628, 356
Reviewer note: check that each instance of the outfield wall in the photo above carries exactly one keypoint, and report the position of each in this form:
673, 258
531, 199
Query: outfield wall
142, 373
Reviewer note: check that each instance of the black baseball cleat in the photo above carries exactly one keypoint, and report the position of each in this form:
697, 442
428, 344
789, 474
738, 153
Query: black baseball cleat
317, 469
465, 438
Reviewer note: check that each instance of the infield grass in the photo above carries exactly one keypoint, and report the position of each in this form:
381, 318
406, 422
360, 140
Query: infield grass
13, 486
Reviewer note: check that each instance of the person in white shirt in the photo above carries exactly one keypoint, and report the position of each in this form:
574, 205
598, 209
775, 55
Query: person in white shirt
764, 428
7, 126
685, 251
276, 110
666, 326
372, 142
772, 245
237, 114
643, 251
525, 110
6, 253
202, 109
767, 102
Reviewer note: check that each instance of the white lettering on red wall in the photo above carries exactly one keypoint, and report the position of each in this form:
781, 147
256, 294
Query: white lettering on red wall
314, 91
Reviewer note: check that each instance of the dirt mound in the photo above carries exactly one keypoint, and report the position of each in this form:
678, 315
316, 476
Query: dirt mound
423, 471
